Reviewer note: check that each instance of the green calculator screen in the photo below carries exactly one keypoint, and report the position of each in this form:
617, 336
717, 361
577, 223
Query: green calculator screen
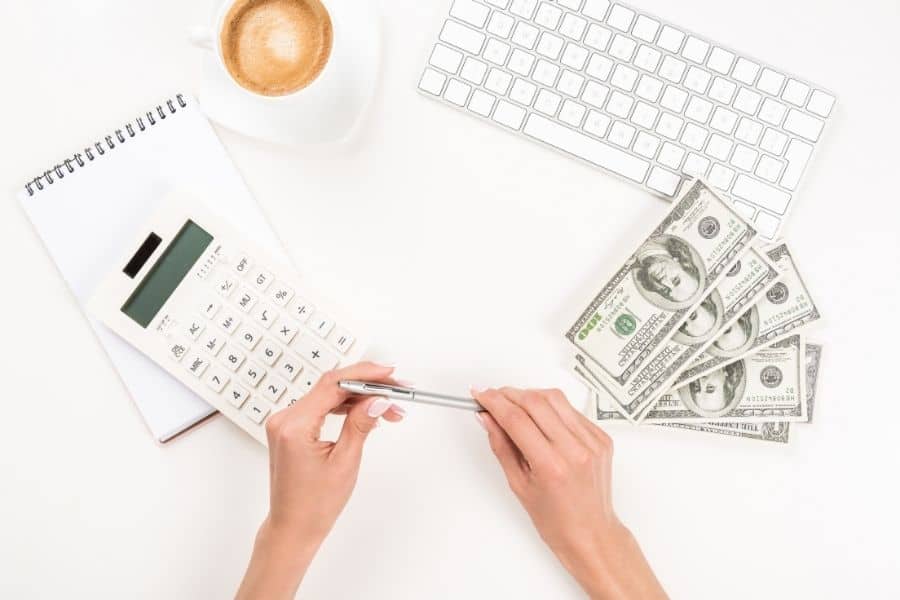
167, 273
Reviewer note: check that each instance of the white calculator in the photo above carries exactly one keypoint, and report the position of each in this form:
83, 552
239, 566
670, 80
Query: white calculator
243, 332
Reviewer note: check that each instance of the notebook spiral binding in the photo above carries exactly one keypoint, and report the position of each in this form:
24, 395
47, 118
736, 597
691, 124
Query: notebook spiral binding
109, 142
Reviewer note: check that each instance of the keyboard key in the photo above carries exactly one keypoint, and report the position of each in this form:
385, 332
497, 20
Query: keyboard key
747, 101
647, 58
697, 80
457, 92
289, 367
589, 149
242, 264
721, 177
649, 88
225, 285
769, 168
619, 104
597, 123
523, 92
341, 339
545, 73
281, 294
723, 120
498, 81
194, 328
264, 315
474, 70
496, 52
212, 341
795, 92
574, 57
744, 158
196, 363
321, 325
314, 351
646, 145
210, 307
644, 115
273, 389
772, 112
509, 114
770, 82
236, 395
571, 4
748, 131
671, 156
694, 136
548, 16
269, 351
233, 358
261, 278
520, 62
471, 12
720, 60
695, 50
462, 37
797, 156
773, 141
523, 8
719, 147
595, 9
525, 35
620, 17
820, 103
767, 224
599, 67
570, 83
621, 134
285, 330
663, 181
804, 125
670, 39
696, 165
248, 337
246, 300
501, 25
252, 373
547, 102
178, 350
445, 58
698, 109
216, 379
722, 90
624, 77
550, 46
432, 82
745, 210
674, 99
598, 37
669, 126
481, 103
622, 48
745, 71
573, 27
672, 69
645, 29
228, 321
257, 410
761, 194
572, 113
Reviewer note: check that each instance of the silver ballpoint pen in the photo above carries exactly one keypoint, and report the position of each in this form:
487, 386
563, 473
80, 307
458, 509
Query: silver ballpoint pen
395, 392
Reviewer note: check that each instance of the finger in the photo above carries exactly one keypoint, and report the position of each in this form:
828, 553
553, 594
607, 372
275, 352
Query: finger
360, 422
538, 407
523, 432
327, 395
577, 423
509, 457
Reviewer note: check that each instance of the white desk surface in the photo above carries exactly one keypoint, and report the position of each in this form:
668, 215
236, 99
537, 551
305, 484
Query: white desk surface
495, 236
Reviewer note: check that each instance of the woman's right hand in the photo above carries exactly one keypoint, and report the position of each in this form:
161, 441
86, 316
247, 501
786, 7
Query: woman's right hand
559, 465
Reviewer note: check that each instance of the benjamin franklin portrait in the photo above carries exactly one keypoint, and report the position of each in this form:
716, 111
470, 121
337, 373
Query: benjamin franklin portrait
738, 337
669, 273
717, 393
702, 323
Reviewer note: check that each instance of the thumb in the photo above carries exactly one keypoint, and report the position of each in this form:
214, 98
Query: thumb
360, 421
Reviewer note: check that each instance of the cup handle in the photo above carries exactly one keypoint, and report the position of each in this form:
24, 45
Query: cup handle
202, 38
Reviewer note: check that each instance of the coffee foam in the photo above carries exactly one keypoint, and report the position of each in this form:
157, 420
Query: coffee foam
275, 47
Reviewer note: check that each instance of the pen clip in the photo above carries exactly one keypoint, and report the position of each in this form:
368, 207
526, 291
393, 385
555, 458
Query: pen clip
377, 388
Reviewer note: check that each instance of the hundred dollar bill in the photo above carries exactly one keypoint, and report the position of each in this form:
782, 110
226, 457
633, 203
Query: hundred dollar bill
744, 285
785, 307
657, 288
765, 431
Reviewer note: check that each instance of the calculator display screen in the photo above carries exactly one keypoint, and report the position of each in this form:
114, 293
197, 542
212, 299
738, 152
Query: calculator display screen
167, 273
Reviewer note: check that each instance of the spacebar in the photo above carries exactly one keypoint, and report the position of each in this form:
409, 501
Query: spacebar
598, 153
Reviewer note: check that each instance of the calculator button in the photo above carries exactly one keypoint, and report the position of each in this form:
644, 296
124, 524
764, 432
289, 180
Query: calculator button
229, 321
196, 363
300, 309
306, 382
246, 300
242, 264
269, 351
257, 409
234, 358
177, 351
314, 352
281, 294
216, 378
194, 328
289, 367
212, 342
264, 315
252, 373
285, 330
225, 286
248, 337
342, 340
237, 395
322, 325
273, 389
210, 308
261, 279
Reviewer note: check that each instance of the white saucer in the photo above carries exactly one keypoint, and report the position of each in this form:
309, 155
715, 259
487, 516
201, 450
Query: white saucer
298, 121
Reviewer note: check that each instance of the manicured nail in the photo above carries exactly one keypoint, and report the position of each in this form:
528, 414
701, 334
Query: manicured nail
399, 410
476, 390
378, 406
385, 364
480, 418
406, 383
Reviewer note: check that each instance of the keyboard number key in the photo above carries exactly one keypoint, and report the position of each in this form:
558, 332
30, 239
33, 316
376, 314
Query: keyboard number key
236, 395
257, 410
289, 367
273, 389
233, 358
252, 373
216, 379
269, 352
248, 337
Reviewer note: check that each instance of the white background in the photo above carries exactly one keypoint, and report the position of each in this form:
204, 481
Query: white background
461, 247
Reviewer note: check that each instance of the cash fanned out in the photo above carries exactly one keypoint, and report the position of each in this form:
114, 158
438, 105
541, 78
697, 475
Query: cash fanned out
701, 328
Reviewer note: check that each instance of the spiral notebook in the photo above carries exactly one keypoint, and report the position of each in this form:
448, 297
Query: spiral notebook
87, 207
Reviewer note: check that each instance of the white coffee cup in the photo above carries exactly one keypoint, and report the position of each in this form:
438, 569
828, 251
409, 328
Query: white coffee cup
327, 107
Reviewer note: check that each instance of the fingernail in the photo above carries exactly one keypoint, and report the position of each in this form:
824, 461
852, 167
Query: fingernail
406, 383
399, 410
385, 364
480, 418
476, 389
378, 406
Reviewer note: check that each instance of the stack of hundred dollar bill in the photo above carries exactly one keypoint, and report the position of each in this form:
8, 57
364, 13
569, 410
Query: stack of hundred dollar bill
703, 327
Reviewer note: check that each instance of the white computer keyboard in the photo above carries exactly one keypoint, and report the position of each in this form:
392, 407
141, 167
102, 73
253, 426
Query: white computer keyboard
222, 316
634, 95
